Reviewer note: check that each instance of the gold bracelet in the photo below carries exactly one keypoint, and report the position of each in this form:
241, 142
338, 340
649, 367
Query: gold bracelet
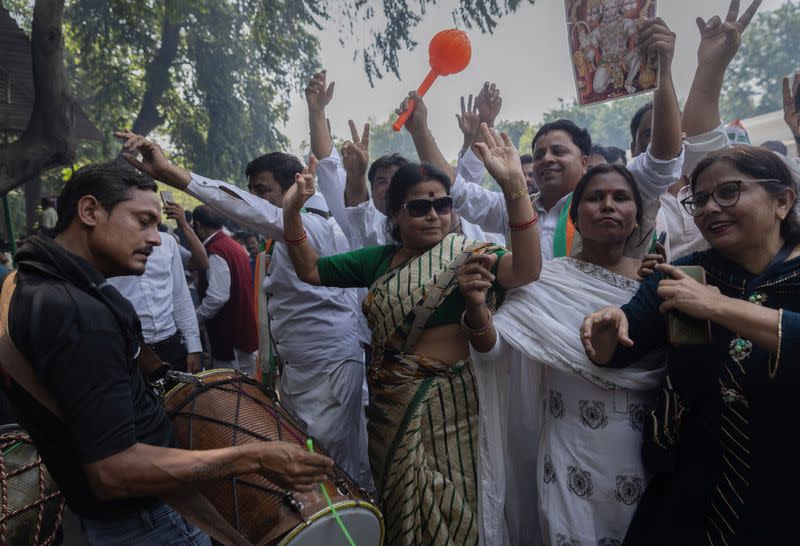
482, 331
772, 367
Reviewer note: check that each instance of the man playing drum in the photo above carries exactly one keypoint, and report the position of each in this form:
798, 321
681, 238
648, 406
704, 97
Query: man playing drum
101, 432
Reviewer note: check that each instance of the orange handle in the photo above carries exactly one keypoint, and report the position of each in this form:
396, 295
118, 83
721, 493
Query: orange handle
412, 104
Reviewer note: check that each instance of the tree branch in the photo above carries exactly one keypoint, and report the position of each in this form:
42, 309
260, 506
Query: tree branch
157, 77
47, 140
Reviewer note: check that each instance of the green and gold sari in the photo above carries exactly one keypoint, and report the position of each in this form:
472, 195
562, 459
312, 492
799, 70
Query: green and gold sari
423, 421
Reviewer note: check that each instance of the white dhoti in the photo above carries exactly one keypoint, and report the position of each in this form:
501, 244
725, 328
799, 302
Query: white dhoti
332, 412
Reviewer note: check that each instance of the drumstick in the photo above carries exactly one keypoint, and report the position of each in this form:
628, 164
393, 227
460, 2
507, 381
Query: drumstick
310, 445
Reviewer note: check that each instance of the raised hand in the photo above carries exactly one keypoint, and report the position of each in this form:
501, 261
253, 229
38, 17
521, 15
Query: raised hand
355, 153
153, 162
489, 103
296, 196
469, 121
719, 41
791, 99
501, 159
475, 278
656, 38
418, 121
175, 212
318, 92
602, 331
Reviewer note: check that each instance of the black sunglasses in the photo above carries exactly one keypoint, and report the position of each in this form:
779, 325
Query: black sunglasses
417, 208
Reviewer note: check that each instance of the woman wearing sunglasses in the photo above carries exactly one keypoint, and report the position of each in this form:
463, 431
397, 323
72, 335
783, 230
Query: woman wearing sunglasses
727, 468
587, 467
423, 422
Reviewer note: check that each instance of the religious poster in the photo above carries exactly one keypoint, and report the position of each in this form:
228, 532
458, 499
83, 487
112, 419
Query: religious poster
602, 38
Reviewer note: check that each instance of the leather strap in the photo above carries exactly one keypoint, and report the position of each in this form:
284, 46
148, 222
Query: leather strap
13, 361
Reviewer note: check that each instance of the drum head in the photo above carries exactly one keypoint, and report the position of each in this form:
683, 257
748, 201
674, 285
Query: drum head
363, 522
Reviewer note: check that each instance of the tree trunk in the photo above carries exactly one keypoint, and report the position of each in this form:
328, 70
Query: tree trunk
157, 77
33, 195
48, 140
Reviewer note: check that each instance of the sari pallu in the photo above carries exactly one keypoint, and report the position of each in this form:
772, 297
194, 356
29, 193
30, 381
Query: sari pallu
423, 420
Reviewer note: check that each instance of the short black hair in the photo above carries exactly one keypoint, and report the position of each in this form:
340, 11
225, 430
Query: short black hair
206, 216
598, 150
110, 183
583, 183
282, 166
636, 120
525, 159
404, 179
775, 146
383, 162
580, 137
615, 155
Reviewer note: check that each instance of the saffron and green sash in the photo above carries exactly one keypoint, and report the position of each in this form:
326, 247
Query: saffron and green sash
565, 232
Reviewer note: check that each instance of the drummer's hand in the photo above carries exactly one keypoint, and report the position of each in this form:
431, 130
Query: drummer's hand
193, 363
292, 467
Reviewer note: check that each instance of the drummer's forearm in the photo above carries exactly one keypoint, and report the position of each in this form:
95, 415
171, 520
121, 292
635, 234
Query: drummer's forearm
144, 470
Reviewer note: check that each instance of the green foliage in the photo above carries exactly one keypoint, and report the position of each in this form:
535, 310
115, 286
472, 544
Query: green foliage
384, 141
770, 50
608, 123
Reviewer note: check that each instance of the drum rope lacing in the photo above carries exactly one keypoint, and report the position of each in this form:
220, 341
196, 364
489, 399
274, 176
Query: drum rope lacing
14, 441
233, 385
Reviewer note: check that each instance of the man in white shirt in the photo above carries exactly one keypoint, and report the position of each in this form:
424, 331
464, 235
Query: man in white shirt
313, 329
162, 301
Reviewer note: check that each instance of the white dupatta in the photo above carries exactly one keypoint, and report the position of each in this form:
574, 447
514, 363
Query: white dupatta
538, 325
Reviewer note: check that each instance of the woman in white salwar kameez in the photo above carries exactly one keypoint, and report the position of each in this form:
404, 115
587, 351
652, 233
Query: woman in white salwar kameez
584, 422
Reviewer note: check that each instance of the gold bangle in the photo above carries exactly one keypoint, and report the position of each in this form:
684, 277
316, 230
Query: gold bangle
482, 331
772, 367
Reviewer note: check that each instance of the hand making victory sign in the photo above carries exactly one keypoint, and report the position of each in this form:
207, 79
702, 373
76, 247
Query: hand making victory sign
303, 189
719, 40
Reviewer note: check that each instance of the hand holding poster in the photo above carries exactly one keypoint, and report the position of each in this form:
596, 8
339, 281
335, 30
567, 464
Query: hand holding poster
605, 57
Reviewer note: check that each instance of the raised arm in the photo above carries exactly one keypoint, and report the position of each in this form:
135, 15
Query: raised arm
791, 99
318, 95
199, 259
417, 126
719, 42
248, 210
355, 157
656, 39
502, 161
303, 256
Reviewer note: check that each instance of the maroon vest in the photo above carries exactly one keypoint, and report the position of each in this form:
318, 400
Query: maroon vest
235, 324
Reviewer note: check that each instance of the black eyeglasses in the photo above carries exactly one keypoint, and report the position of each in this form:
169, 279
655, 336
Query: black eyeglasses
417, 208
725, 195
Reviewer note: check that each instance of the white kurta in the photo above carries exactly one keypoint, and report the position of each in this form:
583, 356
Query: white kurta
584, 422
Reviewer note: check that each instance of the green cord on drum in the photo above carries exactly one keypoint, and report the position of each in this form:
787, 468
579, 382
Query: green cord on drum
12, 448
310, 445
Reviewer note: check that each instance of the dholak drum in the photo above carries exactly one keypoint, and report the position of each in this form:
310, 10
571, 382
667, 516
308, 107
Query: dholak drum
31, 506
223, 408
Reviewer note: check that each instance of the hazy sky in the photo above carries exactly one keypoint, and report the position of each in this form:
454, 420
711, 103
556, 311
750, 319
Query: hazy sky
527, 56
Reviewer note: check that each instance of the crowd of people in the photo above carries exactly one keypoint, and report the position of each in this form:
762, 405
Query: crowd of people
599, 353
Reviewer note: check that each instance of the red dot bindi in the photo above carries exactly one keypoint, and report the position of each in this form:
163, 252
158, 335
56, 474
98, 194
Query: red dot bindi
430, 194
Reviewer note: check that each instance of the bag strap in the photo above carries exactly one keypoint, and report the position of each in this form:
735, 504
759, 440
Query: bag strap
13, 361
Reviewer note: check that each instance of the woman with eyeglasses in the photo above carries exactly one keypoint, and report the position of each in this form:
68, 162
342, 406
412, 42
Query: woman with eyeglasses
423, 420
587, 467
727, 446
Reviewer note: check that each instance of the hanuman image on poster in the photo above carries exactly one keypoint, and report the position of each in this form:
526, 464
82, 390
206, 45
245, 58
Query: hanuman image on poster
602, 39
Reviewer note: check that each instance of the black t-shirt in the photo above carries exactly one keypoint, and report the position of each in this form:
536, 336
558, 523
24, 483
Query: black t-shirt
80, 353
